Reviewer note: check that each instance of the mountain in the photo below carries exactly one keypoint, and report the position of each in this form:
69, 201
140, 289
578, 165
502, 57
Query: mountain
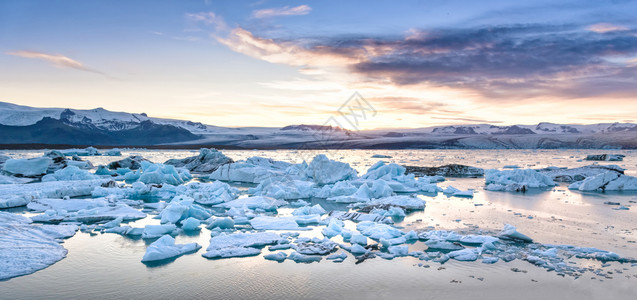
49, 126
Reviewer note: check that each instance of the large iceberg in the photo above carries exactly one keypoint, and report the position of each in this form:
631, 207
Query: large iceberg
133, 162
285, 188
518, 180
207, 161
451, 170
27, 167
253, 170
165, 248
607, 181
163, 174
325, 171
181, 208
579, 174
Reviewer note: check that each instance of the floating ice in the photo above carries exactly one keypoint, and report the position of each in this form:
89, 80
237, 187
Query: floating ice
222, 223
518, 180
279, 256
309, 210
579, 174
408, 202
15, 195
241, 244
13, 180
378, 231
337, 257
398, 250
253, 170
97, 214
284, 188
207, 161
452, 191
443, 245
301, 258
607, 181
190, 224
469, 254
510, 232
165, 248
607, 157
27, 167
325, 171
181, 208
26, 248
69, 173
133, 162
163, 174
451, 170
155, 231
88, 151
315, 246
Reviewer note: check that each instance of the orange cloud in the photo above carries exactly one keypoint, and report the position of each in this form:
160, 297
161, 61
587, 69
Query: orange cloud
57, 60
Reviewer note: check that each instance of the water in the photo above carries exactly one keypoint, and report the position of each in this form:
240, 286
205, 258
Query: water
108, 265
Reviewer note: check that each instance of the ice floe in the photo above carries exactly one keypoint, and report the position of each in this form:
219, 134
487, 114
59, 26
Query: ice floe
133, 162
26, 247
68, 174
606, 157
165, 248
15, 195
607, 181
580, 173
451, 170
241, 244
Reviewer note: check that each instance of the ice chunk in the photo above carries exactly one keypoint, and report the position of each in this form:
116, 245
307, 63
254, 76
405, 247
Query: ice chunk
468, 254
516, 180
325, 171
88, 151
301, 258
334, 228
398, 250
579, 174
275, 223
69, 173
444, 235
607, 157
21, 194
27, 167
607, 181
257, 202
510, 232
165, 248
378, 231
341, 188
309, 210
222, 223
13, 180
284, 188
96, 214
279, 256
155, 231
241, 244
315, 246
207, 161
358, 217
190, 224
408, 202
358, 239
253, 170
133, 162
452, 191
113, 152
181, 208
163, 174
451, 170
443, 245
337, 257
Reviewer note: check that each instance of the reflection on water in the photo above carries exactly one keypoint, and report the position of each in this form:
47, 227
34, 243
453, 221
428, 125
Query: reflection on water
109, 265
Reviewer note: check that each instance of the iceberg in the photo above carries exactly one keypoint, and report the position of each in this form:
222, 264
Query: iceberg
315, 246
510, 232
165, 248
279, 256
302, 258
97, 214
253, 170
163, 174
181, 208
518, 180
222, 223
133, 162
309, 210
13, 180
607, 181
15, 195
468, 254
325, 171
207, 161
155, 231
88, 151
27, 167
241, 244
190, 224
69, 173
579, 174
606, 157
451, 170
378, 231
452, 191
408, 202
284, 188
337, 257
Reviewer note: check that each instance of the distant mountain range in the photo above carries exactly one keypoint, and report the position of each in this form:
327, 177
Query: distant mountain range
49, 126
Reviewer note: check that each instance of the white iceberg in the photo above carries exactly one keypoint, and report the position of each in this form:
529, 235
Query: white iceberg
325, 171
257, 202
276, 223
378, 231
241, 244
15, 195
155, 231
253, 170
27, 167
165, 248
518, 180
69, 173
279, 256
607, 181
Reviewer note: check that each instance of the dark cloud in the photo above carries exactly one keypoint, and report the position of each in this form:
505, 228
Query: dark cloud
501, 61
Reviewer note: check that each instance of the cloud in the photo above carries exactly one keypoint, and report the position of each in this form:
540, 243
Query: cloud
512, 62
57, 60
282, 11
605, 27
206, 18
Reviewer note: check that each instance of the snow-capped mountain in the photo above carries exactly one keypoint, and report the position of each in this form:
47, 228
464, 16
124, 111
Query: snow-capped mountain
29, 125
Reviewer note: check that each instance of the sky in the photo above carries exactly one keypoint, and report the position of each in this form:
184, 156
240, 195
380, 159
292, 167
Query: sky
276, 63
